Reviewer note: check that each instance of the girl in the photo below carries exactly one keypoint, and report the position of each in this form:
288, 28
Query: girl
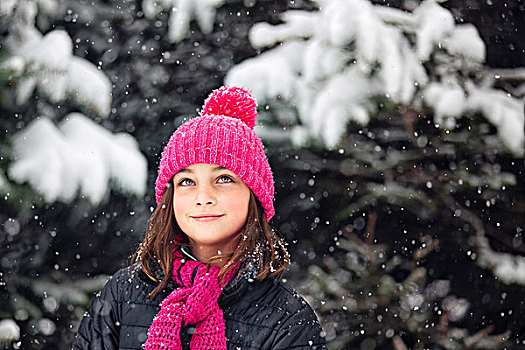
207, 274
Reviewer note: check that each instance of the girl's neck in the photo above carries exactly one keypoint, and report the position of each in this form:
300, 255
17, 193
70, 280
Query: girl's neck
205, 252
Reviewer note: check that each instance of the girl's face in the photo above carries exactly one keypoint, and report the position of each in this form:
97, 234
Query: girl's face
210, 204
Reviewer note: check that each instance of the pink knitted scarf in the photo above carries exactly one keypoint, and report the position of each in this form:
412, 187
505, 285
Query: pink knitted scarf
195, 303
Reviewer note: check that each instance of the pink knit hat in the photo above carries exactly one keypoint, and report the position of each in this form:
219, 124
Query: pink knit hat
222, 135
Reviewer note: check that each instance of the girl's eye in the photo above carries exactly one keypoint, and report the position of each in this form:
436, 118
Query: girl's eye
186, 182
224, 179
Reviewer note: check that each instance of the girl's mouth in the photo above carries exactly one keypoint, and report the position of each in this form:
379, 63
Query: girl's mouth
206, 217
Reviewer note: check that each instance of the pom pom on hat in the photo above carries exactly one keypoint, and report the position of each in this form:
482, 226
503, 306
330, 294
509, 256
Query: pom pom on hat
234, 102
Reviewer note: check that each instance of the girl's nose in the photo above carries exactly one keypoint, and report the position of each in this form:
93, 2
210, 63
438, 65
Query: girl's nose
205, 196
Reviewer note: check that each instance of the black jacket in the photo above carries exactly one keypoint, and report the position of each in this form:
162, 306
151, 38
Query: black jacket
258, 315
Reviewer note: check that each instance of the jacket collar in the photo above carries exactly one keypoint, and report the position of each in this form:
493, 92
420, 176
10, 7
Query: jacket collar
186, 251
156, 270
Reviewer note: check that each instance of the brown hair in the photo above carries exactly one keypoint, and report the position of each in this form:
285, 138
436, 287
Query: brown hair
258, 242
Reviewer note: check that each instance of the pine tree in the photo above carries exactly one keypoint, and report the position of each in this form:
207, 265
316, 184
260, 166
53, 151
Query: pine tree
57, 253
55, 162
406, 158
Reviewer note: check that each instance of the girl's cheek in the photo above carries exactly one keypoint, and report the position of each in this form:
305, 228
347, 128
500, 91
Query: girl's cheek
178, 211
180, 201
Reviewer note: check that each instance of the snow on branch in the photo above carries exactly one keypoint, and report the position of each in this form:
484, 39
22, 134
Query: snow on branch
448, 100
182, 12
506, 113
353, 52
58, 74
46, 62
9, 331
3, 183
331, 108
7, 7
88, 86
273, 74
507, 267
503, 111
433, 23
464, 41
78, 156
26, 10
297, 24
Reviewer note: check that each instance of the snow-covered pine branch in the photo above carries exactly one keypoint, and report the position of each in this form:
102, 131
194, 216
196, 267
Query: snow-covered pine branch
9, 331
47, 63
182, 12
507, 267
78, 157
331, 63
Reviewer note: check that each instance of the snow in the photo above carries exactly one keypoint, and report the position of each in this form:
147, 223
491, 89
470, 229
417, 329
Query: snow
46, 326
339, 21
465, 41
503, 111
22, 37
375, 41
448, 100
299, 135
152, 8
434, 23
321, 61
395, 16
41, 146
58, 74
399, 71
182, 12
14, 65
25, 10
179, 22
298, 24
507, 267
48, 6
339, 101
89, 86
437, 289
316, 82
3, 182
9, 330
53, 65
376, 44
271, 74
124, 163
78, 156
7, 7
456, 307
